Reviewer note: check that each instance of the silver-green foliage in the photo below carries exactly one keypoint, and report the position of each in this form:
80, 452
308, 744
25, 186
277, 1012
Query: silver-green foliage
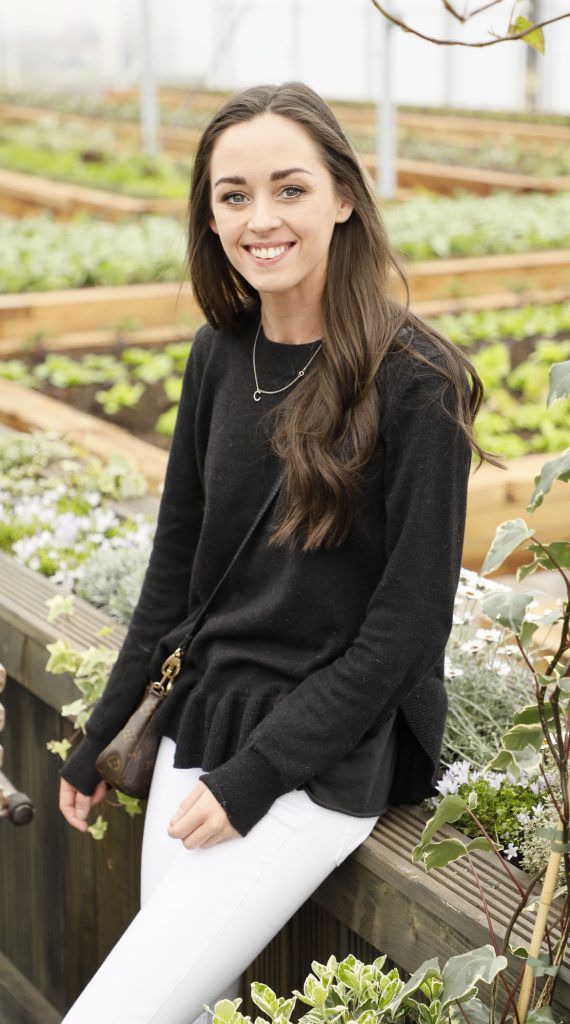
350, 990
111, 579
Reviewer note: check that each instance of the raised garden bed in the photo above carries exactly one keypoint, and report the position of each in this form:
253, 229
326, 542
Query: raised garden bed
32, 314
25, 194
494, 494
27, 314
186, 107
378, 891
42, 253
440, 173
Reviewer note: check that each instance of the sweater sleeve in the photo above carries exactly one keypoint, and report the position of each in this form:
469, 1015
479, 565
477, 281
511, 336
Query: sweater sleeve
163, 600
408, 617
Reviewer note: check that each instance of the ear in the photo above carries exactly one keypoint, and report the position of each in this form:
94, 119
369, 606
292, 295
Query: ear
212, 223
344, 211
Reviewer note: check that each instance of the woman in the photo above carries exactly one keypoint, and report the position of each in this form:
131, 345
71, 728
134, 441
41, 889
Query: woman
313, 694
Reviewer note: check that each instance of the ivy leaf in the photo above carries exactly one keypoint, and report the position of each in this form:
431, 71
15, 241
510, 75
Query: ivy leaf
131, 804
59, 605
556, 469
98, 828
507, 537
559, 381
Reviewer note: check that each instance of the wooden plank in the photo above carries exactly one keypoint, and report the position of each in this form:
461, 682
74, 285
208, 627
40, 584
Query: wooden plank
472, 129
432, 279
79, 893
23, 194
445, 178
77, 309
158, 305
430, 308
29, 410
79, 342
20, 1001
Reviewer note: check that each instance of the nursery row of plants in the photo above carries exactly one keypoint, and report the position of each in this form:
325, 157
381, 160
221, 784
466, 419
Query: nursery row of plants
100, 158
138, 388
42, 253
189, 110
96, 158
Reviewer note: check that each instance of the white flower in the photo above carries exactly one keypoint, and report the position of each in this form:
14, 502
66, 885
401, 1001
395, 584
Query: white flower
538, 808
502, 668
523, 817
450, 670
473, 646
460, 771
510, 851
495, 779
446, 786
489, 634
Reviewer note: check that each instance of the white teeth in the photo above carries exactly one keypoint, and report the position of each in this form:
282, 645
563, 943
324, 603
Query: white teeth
268, 254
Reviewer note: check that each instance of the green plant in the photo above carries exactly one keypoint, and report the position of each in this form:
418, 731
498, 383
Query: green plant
538, 725
340, 993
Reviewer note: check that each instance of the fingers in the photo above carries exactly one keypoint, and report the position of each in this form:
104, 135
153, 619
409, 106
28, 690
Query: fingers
74, 805
100, 793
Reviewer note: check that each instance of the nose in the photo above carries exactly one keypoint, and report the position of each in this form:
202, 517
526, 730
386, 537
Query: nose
262, 217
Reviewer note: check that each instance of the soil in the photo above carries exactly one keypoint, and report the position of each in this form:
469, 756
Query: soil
138, 420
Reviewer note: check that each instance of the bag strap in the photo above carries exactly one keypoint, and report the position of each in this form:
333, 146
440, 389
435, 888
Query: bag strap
183, 647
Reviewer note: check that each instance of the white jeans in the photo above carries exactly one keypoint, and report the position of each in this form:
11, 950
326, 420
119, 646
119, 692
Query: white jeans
207, 913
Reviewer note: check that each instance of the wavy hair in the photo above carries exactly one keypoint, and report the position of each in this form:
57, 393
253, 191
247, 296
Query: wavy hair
337, 410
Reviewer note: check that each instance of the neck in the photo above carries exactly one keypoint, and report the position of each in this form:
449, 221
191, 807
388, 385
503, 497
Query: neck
291, 326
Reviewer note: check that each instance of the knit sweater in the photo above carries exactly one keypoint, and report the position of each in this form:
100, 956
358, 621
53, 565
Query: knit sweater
305, 661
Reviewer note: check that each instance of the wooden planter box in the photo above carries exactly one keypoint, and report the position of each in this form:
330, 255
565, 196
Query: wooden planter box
24, 194
494, 494
81, 897
83, 341
79, 309
448, 282
443, 178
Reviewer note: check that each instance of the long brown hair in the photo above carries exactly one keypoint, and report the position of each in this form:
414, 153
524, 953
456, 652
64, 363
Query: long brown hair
338, 404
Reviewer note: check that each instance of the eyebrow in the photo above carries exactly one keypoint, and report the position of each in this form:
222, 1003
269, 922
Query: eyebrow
274, 176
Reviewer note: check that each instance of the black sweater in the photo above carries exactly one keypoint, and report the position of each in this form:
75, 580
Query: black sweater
305, 660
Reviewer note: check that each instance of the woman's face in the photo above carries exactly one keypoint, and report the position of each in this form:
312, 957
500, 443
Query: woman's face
296, 212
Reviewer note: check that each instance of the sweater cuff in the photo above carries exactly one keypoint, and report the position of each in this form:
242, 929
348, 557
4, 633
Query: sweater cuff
79, 768
245, 786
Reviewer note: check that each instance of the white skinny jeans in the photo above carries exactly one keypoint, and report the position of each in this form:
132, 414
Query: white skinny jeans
206, 914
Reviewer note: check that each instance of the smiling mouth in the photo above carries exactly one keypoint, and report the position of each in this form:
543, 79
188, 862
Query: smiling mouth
269, 259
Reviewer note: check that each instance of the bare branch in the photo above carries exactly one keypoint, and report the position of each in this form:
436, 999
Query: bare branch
457, 42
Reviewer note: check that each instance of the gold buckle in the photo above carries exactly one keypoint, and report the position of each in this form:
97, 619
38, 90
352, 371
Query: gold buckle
170, 669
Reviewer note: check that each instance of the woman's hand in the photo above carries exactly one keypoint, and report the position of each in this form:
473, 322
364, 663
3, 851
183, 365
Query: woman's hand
75, 806
201, 820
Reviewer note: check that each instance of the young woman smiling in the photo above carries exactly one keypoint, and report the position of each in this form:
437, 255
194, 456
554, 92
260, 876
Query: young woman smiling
312, 696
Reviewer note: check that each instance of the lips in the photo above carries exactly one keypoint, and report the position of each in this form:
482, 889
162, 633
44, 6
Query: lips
270, 261
268, 245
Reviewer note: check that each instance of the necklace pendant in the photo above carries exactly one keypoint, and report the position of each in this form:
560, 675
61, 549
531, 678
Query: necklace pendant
256, 396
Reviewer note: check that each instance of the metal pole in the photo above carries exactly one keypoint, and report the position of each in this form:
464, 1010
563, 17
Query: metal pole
147, 88
386, 177
12, 63
295, 20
